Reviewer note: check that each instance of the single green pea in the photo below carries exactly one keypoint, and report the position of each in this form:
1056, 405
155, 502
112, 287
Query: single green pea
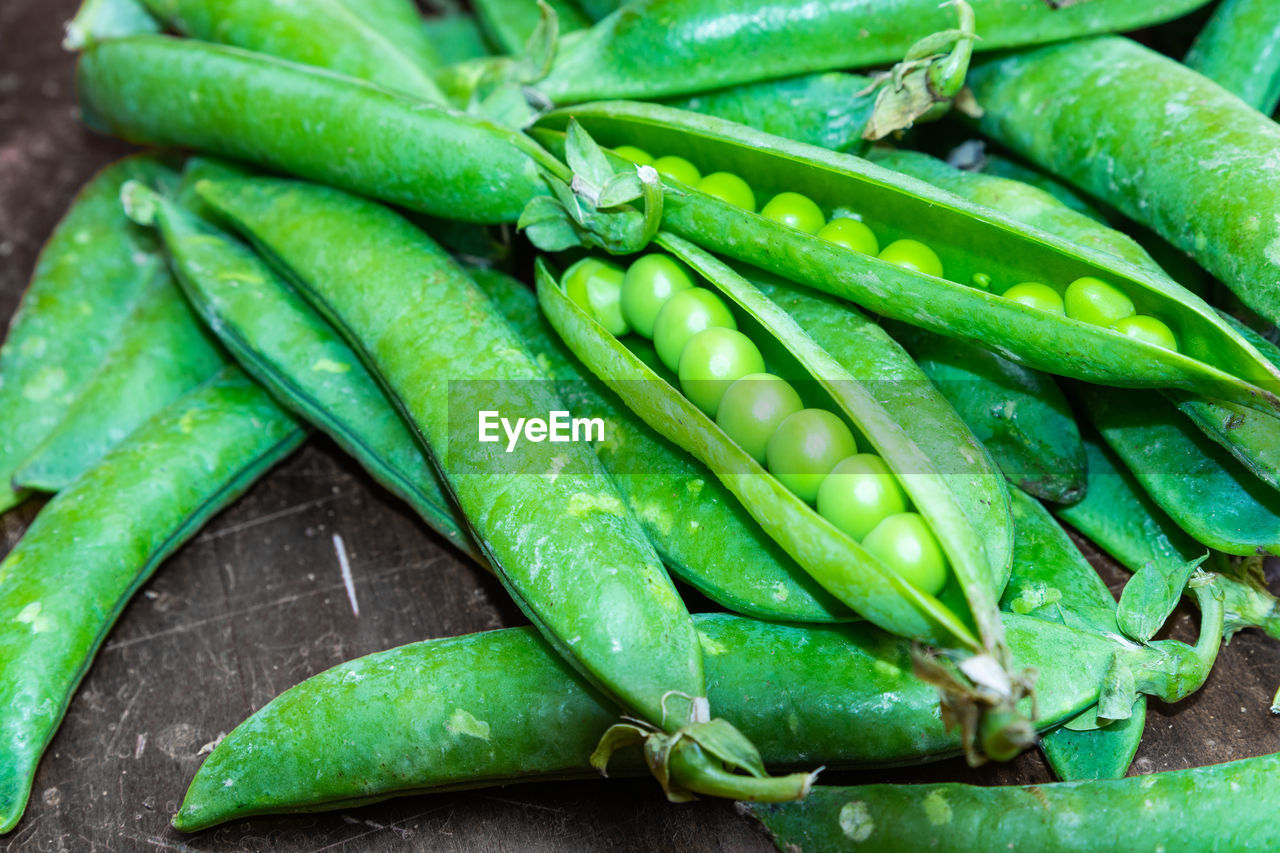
678, 169
596, 286
1033, 294
859, 493
795, 211
713, 360
913, 255
650, 281
727, 186
685, 314
1092, 300
981, 281
804, 449
752, 408
906, 544
1148, 329
636, 155
851, 234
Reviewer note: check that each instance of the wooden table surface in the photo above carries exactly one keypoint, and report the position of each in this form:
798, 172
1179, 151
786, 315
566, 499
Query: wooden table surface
256, 603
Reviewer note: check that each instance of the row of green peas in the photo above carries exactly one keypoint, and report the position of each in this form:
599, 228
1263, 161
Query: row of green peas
810, 451
1088, 299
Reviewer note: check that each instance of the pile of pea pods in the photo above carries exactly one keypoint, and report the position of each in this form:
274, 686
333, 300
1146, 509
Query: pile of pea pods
869, 299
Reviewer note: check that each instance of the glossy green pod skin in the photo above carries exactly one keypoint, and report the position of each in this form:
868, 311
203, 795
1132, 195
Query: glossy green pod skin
1239, 49
501, 706
283, 343
162, 353
1124, 521
509, 23
91, 271
833, 559
1234, 803
1166, 146
701, 45
1019, 414
1252, 437
99, 539
828, 110
1206, 491
1003, 167
381, 41
546, 517
264, 111
969, 238
701, 531
1052, 580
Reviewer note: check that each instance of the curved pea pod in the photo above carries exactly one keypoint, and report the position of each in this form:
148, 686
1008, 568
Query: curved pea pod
280, 115
1003, 167
284, 344
1251, 436
1019, 414
969, 239
828, 110
1052, 580
703, 534
1237, 49
500, 707
1207, 492
963, 617
381, 41
545, 515
1235, 808
1125, 522
162, 353
98, 540
701, 45
92, 270
1166, 146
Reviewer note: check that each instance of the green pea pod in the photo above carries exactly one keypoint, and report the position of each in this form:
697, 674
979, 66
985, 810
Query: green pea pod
91, 271
546, 516
1126, 523
1237, 49
700, 45
501, 706
162, 353
1234, 810
702, 532
969, 238
279, 340
1003, 167
962, 617
381, 41
1156, 147
1019, 414
1252, 437
97, 541
280, 115
510, 23
1196, 482
455, 36
828, 110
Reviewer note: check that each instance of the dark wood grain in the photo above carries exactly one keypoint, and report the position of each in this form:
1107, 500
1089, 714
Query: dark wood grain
256, 603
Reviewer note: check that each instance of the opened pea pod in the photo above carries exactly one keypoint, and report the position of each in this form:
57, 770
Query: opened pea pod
939, 261
882, 530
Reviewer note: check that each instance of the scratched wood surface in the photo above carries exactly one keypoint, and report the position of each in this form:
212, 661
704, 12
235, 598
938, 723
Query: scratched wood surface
257, 603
